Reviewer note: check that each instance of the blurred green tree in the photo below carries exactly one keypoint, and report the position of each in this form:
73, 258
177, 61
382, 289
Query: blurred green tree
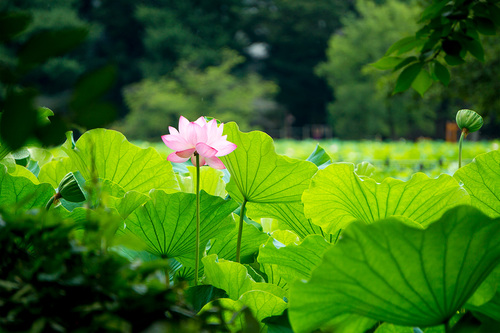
450, 31
197, 31
295, 35
189, 91
362, 107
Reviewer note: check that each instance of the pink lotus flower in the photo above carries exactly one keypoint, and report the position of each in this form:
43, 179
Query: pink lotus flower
198, 137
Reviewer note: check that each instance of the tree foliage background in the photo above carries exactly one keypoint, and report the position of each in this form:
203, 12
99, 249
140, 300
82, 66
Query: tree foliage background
261, 62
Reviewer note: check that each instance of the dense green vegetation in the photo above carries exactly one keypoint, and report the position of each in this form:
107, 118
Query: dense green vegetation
100, 234
390, 159
266, 64
123, 259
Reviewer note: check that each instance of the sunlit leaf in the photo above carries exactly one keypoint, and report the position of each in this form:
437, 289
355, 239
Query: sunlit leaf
233, 278
272, 184
290, 215
261, 303
21, 192
490, 309
21, 171
294, 261
210, 181
130, 202
320, 157
225, 245
391, 272
110, 156
167, 222
481, 179
337, 197
53, 171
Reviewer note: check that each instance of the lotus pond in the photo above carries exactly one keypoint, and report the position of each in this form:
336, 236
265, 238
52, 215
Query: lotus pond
291, 237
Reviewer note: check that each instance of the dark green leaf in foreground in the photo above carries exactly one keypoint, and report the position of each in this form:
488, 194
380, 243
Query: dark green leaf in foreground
441, 72
387, 62
108, 154
407, 76
337, 197
22, 193
481, 179
13, 23
391, 272
422, 82
272, 184
49, 43
166, 222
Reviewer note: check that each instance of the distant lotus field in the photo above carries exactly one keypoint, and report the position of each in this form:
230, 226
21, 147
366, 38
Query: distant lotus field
397, 159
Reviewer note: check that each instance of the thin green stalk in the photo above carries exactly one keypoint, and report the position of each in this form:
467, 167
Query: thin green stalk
240, 230
338, 235
460, 142
54, 198
197, 250
51, 200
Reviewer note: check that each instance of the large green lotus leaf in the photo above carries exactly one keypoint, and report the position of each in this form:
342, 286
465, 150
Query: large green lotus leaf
130, 202
260, 175
485, 300
294, 261
272, 271
285, 237
290, 215
261, 303
337, 197
210, 181
21, 192
391, 272
167, 221
225, 245
233, 278
116, 159
54, 171
21, 171
490, 309
481, 179
268, 181
487, 290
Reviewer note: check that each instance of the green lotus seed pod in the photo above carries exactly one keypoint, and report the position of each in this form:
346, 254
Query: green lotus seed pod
70, 190
469, 120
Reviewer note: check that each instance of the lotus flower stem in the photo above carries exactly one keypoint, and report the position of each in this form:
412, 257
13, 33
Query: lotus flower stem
197, 250
240, 230
49, 203
460, 142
